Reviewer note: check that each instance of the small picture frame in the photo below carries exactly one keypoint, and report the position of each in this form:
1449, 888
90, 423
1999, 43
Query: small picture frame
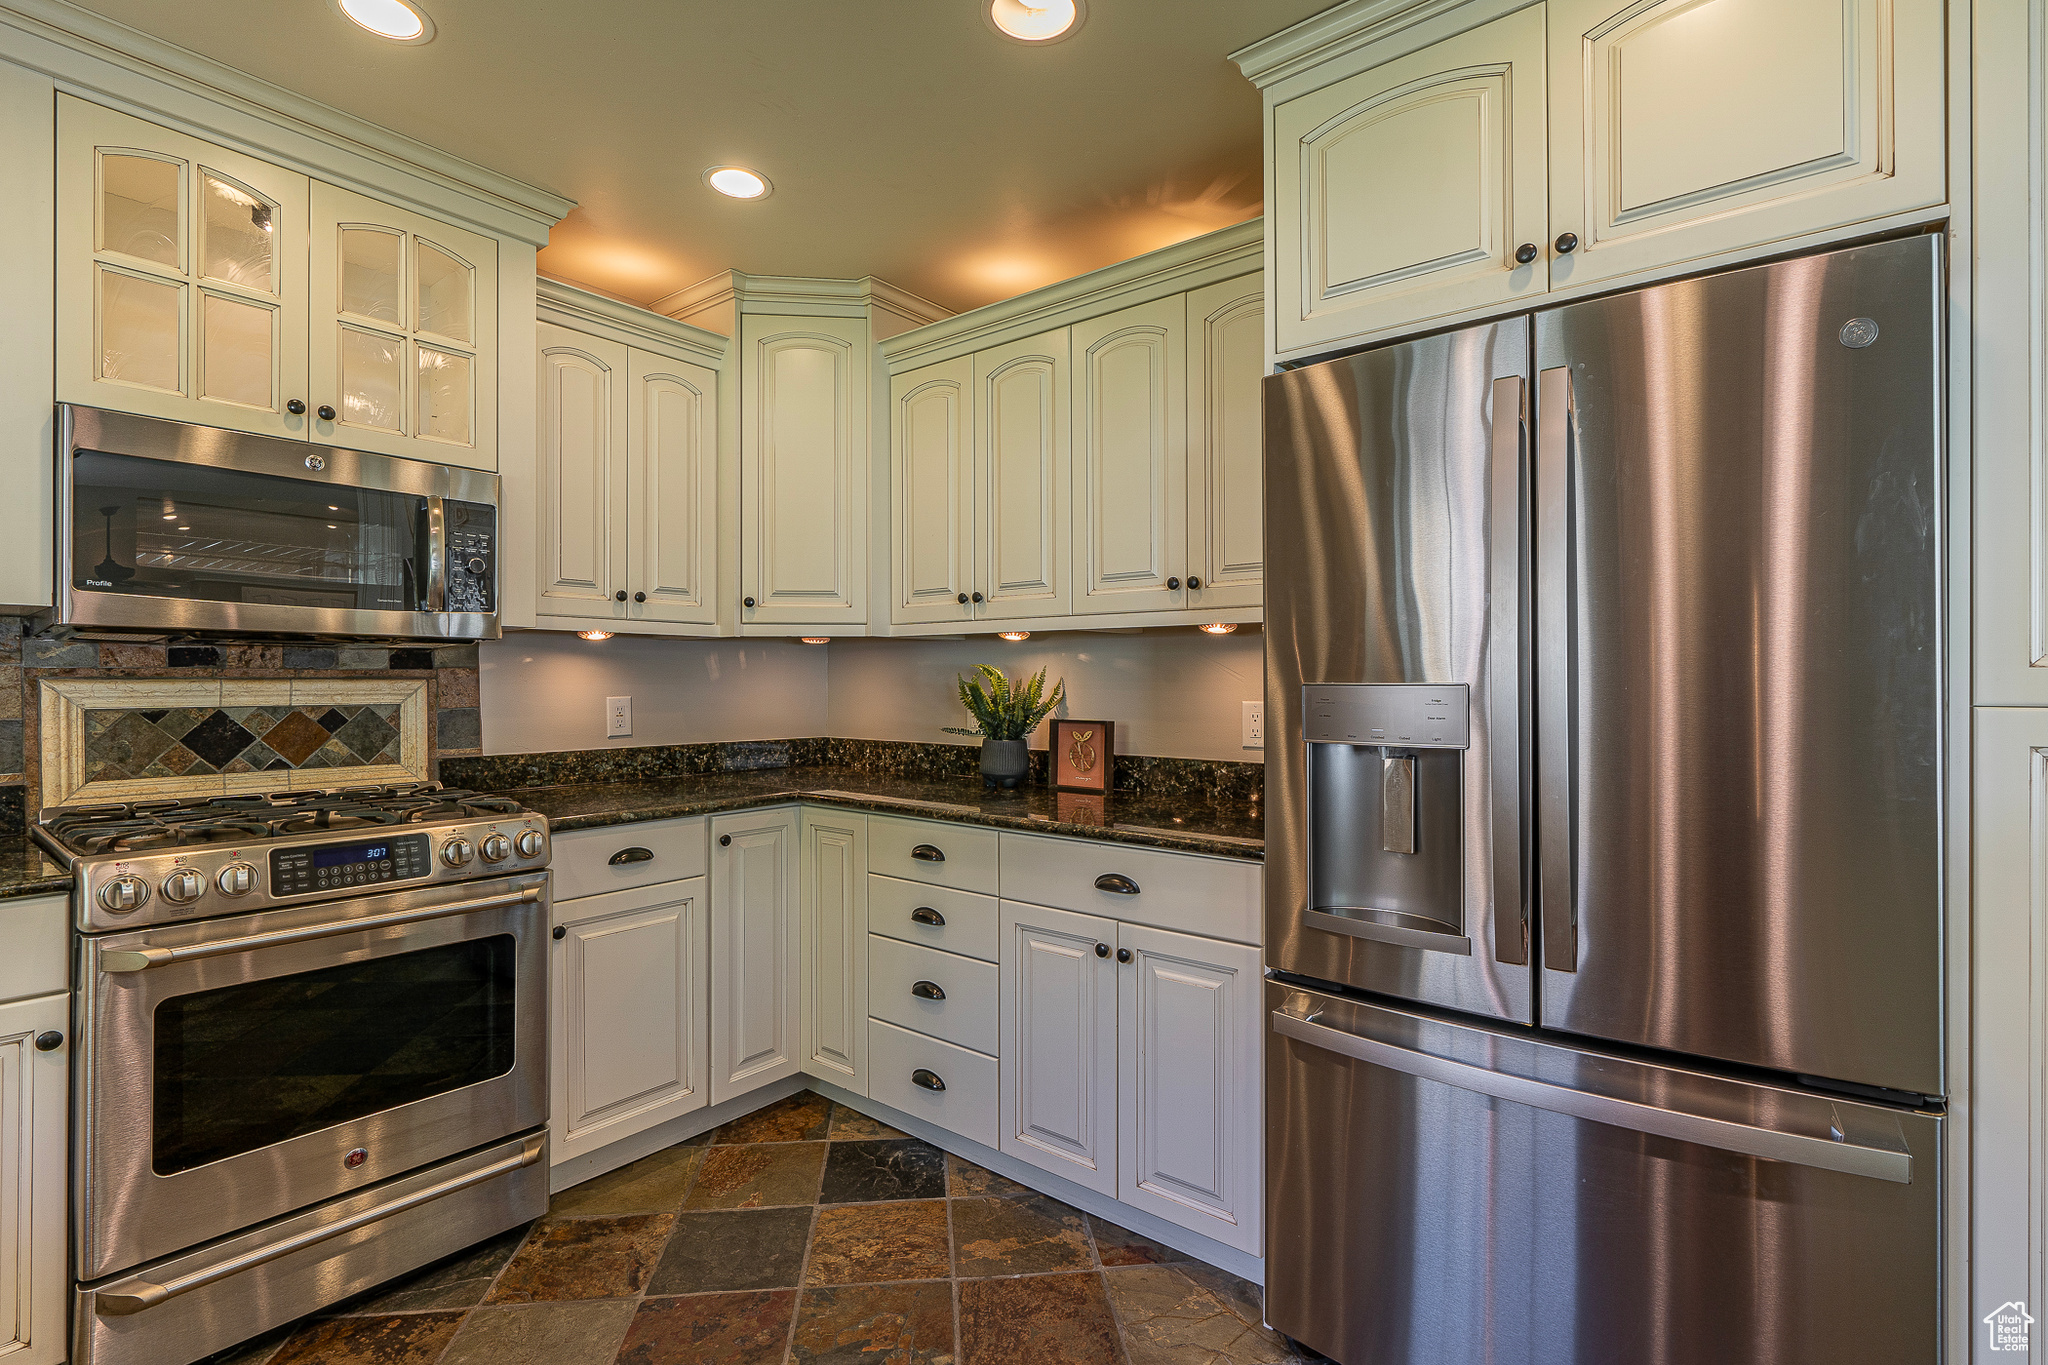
1082, 755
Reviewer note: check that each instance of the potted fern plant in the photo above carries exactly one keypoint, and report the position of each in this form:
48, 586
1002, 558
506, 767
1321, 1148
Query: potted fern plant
1004, 714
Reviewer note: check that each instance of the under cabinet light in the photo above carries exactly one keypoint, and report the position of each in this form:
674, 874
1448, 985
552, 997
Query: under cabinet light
594, 634
1014, 635
817, 639
398, 20
1221, 627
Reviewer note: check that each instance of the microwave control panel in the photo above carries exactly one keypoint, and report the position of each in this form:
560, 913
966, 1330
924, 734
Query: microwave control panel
472, 557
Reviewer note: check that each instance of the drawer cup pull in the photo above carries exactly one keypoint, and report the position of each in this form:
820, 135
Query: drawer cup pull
926, 1079
925, 853
1116, 883
928, 990
924, 914
632, 855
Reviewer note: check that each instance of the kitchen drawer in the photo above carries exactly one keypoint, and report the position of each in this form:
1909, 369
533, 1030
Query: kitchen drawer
1184, 892
583, 863
970, 919
967, 1014
966, 1106
965, 855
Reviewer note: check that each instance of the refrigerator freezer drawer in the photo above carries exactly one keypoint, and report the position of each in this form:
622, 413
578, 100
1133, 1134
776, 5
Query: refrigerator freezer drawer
1465, 1197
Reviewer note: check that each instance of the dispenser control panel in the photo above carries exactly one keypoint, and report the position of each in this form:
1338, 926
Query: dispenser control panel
1400, 715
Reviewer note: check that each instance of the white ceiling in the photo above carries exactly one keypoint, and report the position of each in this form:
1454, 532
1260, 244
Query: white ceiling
904, 138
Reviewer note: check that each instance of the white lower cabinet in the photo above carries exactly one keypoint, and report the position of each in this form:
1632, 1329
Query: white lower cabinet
1058, 1044
833, 958
629, 983
33, 1106
755, 1023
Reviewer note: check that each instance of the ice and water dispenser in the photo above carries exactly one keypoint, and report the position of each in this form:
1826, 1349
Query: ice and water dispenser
1386, 811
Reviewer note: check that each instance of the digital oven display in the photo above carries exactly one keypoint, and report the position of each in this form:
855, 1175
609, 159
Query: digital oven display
344, 867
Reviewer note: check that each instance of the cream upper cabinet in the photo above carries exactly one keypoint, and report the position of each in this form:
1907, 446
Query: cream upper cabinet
803, 470
1023, 405
1226, 441
672, 490
405, 324
1130, 459
1404, 192
931, 519
181, 276
1681, 129
582, 440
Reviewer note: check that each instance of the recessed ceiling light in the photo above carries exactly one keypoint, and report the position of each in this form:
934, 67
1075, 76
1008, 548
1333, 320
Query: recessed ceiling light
398, 20
1040, 22
738, 182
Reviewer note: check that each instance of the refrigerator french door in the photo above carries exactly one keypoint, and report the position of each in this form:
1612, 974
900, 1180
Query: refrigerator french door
1603, 647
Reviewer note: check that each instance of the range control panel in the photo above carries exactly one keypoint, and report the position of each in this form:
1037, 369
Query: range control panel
1404, 715
359, 862
472, 556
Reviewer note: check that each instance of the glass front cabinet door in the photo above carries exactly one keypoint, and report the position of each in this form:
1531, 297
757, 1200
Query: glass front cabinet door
181, 283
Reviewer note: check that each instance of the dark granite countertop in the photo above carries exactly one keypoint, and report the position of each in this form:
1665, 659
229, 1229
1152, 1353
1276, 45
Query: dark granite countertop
27, 870
1230, 829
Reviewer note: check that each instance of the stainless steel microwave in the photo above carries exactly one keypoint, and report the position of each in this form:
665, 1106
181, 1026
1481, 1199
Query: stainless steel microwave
186, 530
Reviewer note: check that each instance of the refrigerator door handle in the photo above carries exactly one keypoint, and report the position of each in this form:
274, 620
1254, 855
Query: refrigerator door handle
1553, 662
1772, 1144
1506, 663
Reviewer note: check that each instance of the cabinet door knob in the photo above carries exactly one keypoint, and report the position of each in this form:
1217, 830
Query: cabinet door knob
1193, 582
927, 1079
924, 914
1117, 884
296, 407
560, 933
619, 596
1566, 243
1102, 950
746, 601
979, 598
1173, 585
1525, 253
49, 1042
639, 597
1123, 955
326, 412
635, 854
928, 990
925, 853
725, 841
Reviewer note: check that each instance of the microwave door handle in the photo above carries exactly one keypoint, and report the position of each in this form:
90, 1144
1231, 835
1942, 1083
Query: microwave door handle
437, 554
1554, 457
1729, 1135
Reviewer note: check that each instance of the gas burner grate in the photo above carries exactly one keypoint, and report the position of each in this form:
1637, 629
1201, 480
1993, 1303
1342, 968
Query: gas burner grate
136, 826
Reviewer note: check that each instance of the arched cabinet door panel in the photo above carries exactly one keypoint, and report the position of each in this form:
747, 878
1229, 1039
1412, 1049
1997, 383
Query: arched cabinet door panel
932, 488
1023, 407
582, 447
672, 475
1130, 458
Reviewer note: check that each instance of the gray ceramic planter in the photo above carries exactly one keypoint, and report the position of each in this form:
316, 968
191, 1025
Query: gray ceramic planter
1005, 762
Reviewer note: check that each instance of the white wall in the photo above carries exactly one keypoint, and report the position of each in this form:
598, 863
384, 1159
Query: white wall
546, 690
1172, 693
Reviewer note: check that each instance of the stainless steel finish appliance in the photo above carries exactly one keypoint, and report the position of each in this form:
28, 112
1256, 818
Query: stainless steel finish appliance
303, 1019
177, 529
1604, 829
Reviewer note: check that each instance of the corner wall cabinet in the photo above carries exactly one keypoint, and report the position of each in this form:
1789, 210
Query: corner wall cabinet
204, 285
1490, 155
1106, 472
35, 1110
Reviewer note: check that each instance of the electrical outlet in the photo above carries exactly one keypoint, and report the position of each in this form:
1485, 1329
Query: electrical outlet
618, 717
1255, 725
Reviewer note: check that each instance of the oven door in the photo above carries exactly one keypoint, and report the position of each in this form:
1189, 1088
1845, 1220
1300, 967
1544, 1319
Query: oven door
171, 527
237, 1069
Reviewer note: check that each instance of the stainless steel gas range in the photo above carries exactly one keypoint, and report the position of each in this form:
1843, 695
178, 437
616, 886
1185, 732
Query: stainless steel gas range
313, 1052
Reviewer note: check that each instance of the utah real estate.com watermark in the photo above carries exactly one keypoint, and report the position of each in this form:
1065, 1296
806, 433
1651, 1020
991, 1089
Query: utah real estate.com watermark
2007, 1326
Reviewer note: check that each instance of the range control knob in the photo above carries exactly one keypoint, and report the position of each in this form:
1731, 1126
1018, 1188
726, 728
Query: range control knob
183, 886
237, 879
123, 894
496, 848
457, 852
529, 843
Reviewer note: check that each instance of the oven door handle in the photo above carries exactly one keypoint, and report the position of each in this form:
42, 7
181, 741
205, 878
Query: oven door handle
138, 959
132, 1296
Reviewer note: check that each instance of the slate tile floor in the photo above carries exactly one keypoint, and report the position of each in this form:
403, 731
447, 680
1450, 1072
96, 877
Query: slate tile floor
802, 1233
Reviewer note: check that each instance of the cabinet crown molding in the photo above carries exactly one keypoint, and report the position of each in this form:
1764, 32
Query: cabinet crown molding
1331, 34
582, 309
156, 79
731, 292
1220, 255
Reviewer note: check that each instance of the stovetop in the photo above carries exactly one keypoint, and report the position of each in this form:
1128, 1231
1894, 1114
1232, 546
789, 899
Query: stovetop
155, 862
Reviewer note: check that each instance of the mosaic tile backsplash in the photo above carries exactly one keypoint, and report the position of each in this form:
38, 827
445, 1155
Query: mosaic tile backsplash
194, 741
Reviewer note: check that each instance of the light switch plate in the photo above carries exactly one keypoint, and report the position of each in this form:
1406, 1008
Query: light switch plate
1255, 725
618, 717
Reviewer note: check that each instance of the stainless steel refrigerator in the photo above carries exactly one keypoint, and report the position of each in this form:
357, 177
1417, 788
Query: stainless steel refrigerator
1604, 911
